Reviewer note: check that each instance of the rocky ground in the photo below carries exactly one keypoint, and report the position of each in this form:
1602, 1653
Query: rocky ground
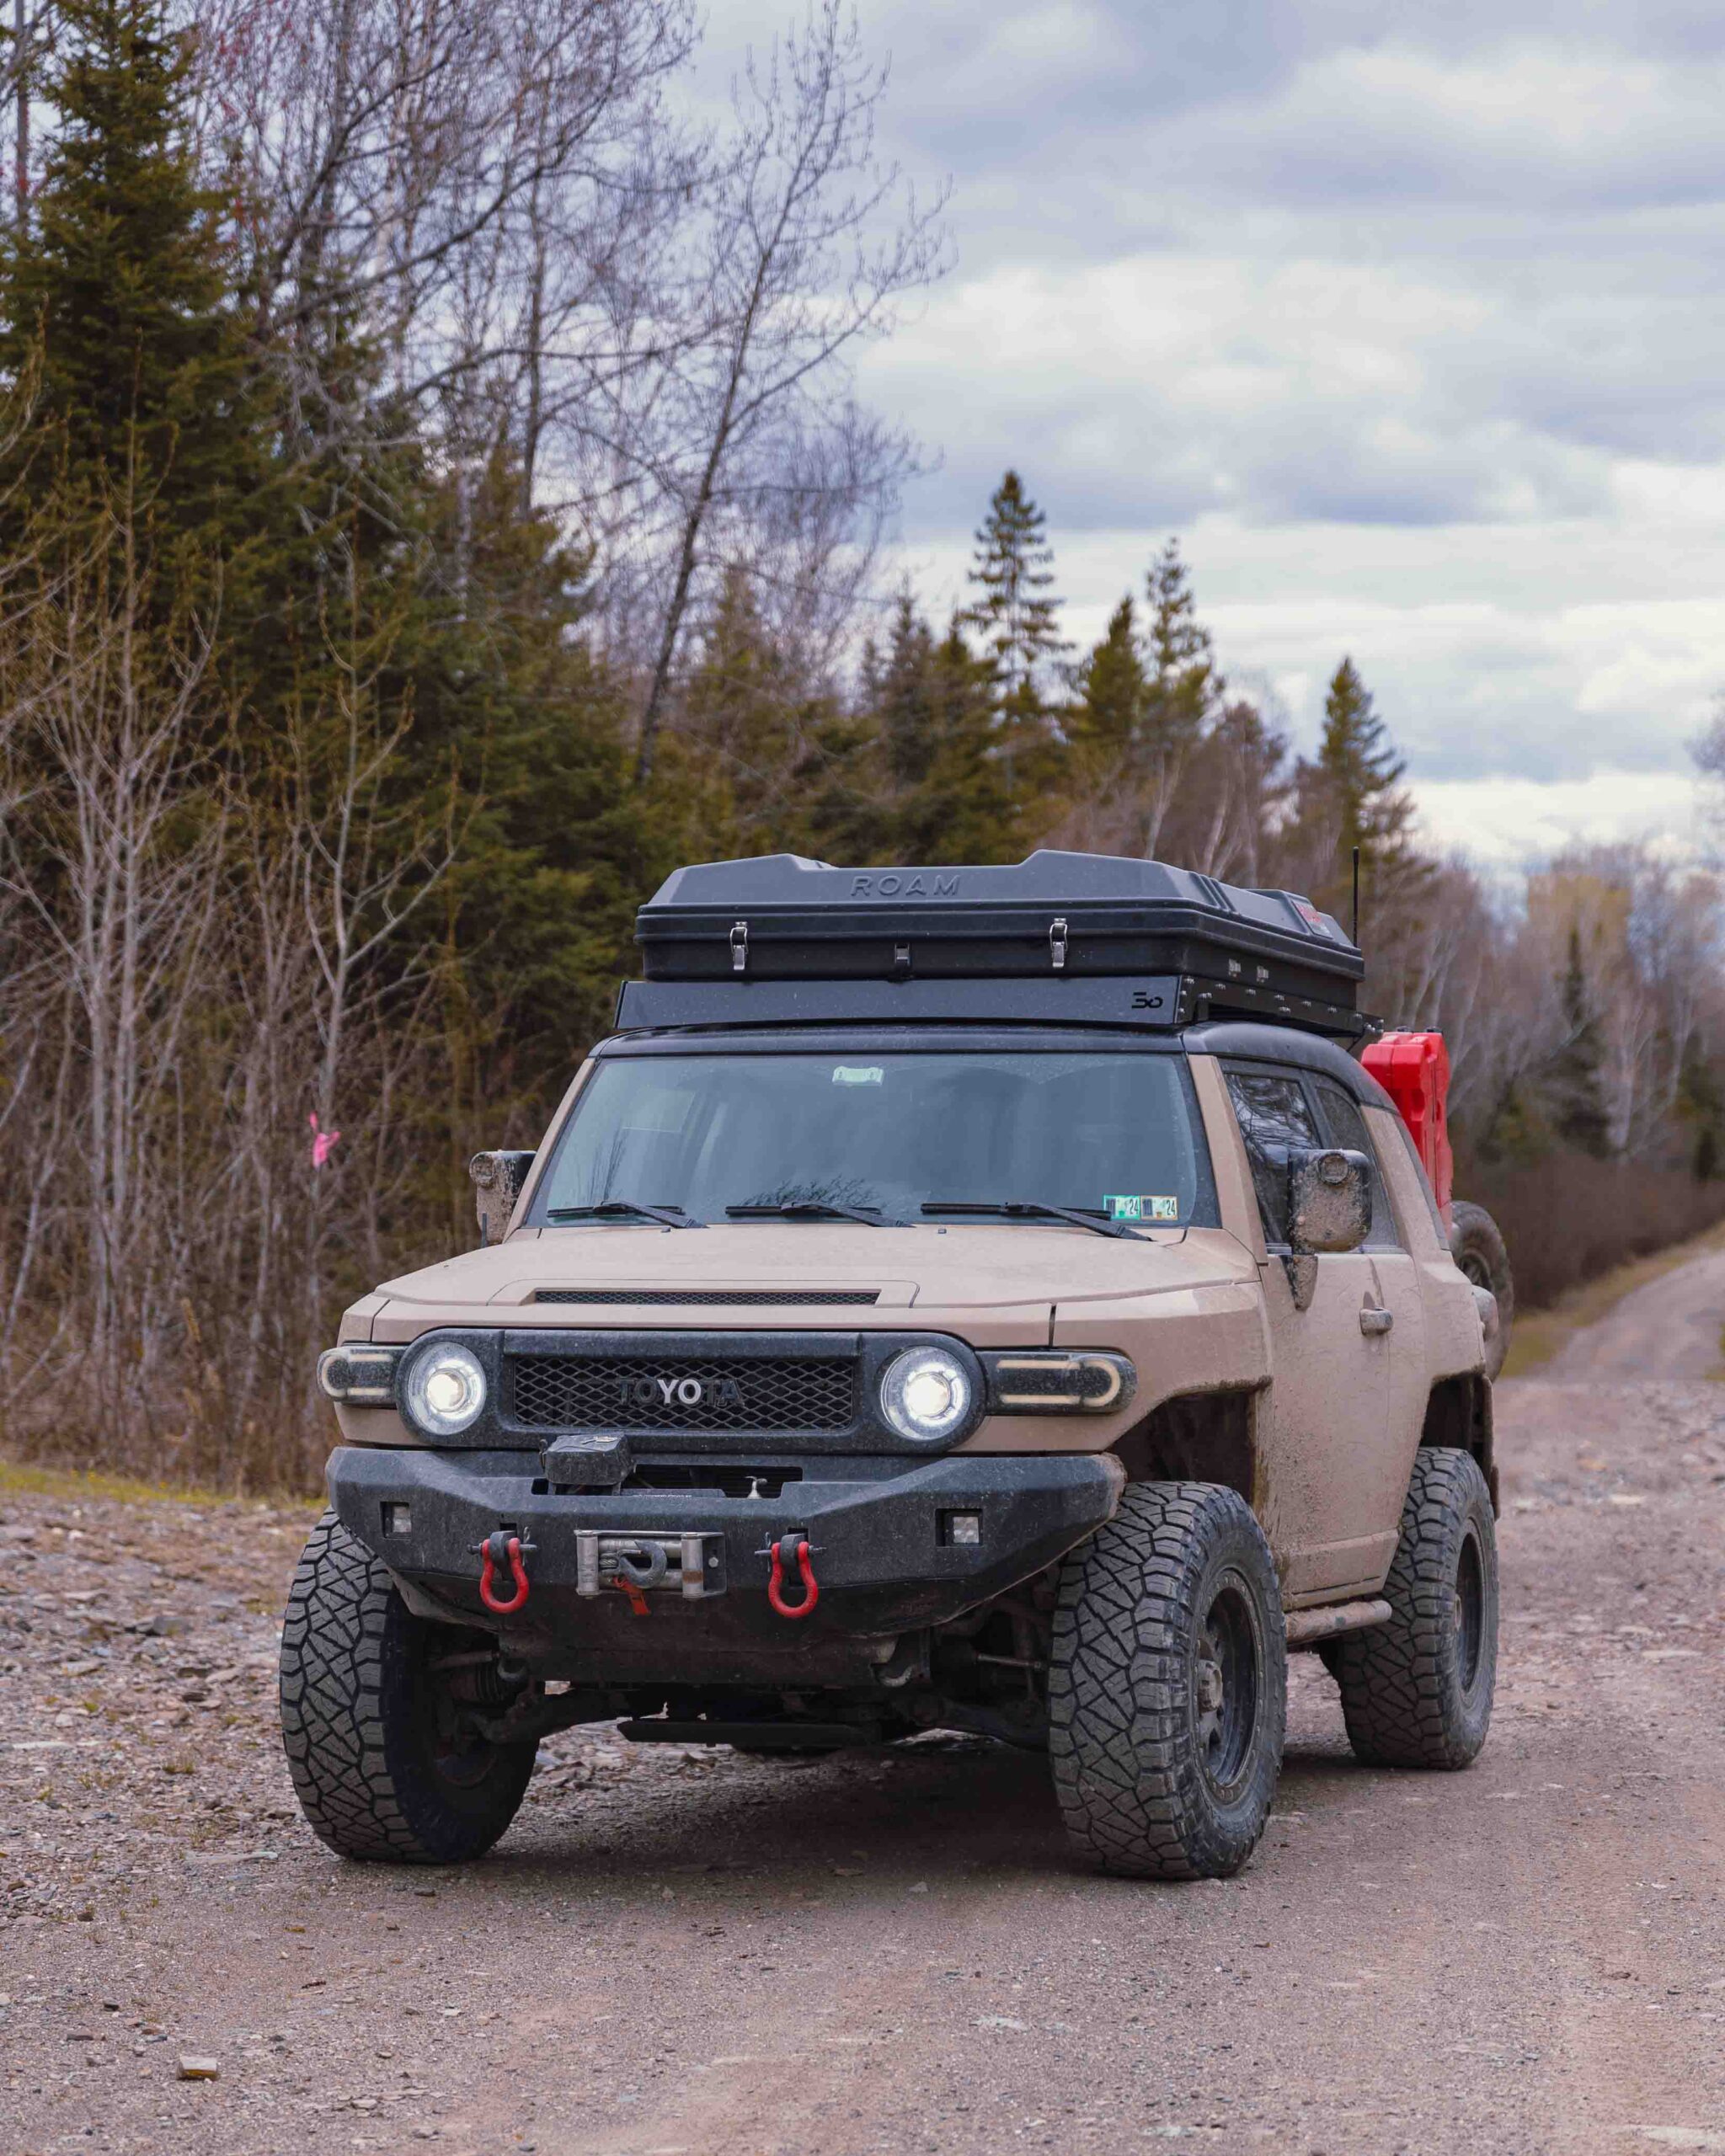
695, 1952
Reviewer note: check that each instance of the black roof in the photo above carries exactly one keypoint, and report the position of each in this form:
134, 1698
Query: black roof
1288, 1045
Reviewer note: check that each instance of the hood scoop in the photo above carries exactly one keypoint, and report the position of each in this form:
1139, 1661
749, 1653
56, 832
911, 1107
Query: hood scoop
717, 1299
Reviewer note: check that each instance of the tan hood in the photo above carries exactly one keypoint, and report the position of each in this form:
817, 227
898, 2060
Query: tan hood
925, 1269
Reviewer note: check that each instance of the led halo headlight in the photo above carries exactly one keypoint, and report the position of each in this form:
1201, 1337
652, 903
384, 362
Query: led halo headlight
445, 1389
927, 1394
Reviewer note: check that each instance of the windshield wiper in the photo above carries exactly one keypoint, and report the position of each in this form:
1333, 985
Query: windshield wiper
1026, 1209
810, 1208
625, 1209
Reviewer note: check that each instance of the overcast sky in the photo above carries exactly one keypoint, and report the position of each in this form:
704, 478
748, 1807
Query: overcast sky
1415, 335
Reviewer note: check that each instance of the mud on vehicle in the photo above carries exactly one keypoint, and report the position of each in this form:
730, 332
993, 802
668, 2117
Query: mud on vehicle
1001, 1299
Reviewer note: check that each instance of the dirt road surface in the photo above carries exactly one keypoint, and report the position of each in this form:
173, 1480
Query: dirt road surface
890, 1951
1669, 1328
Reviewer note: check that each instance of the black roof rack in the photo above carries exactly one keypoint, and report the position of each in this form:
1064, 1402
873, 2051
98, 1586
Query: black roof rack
1077, 937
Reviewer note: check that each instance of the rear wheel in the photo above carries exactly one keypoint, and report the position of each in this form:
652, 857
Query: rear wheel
1418, 1691
385, 1763
1476, 1245
1167, 1685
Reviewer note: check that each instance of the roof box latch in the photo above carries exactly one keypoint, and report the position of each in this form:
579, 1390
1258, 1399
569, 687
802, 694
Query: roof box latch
1057, 943
740, 947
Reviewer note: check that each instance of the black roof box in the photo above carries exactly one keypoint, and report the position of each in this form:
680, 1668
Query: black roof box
1057, 917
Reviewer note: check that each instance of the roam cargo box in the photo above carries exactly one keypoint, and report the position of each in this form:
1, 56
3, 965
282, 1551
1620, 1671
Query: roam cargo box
1085, 938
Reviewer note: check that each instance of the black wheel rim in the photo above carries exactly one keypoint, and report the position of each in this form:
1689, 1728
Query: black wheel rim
1225, 1676
1475, 1269
462, 1767
1469, 1611
457, 1755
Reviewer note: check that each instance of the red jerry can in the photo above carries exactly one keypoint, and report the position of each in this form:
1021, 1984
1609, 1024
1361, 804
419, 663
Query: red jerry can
1414, 1068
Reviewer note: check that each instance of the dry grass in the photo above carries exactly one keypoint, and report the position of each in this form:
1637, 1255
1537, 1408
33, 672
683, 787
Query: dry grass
20, 1478
1540, 1334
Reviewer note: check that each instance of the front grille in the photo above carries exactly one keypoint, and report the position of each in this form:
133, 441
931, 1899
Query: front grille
601, 1392
732, 1298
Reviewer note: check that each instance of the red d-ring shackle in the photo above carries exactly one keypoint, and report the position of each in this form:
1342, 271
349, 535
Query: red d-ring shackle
500, 1548
776, 1580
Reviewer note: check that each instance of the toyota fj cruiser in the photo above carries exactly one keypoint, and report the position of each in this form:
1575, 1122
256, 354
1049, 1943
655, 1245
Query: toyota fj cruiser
992, 1299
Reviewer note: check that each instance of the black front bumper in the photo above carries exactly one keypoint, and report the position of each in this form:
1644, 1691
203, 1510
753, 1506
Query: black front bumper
879, 1529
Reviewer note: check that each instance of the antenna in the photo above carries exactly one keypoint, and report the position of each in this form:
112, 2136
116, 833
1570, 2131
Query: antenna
1356, 898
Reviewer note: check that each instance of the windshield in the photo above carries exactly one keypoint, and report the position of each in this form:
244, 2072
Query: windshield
1114, 1135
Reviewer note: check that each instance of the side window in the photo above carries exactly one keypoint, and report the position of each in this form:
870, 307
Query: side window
1346, 1127
1274, 1113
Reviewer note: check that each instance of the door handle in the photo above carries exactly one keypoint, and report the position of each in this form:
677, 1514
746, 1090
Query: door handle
1374, 1323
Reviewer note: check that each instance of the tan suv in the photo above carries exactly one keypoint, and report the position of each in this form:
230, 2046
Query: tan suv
1029, 1346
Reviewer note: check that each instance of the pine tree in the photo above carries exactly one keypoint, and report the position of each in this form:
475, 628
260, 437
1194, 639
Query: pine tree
1181, 652
1359, 776
783, 763
965, 806
902, 697
1571, 1084
117, 292
1108, 723
1518, 1132
1014, 612
1700, 1107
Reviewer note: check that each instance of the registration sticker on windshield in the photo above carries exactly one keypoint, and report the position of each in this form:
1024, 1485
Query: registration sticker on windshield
859, 1073
1142, 1208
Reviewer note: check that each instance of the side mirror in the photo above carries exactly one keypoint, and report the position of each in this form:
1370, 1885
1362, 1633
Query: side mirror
1329, 1200
499, 1179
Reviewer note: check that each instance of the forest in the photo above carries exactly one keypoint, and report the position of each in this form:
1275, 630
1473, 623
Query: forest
435, 502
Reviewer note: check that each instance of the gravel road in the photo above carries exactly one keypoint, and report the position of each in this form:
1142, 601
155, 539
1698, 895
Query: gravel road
1670, 1328
888, 1951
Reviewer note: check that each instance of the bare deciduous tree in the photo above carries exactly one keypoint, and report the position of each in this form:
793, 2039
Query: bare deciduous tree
807, 247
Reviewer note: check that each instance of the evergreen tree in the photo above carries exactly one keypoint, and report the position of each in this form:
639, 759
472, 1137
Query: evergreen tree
1571, 1084
1014, 611
1517, 1134
1359, 777
116, 294
777, 760
965, 806
1181, 652
942, 787
1701, 1108
902, 697
1185, 691
1147, 707
1114, 692
511, 711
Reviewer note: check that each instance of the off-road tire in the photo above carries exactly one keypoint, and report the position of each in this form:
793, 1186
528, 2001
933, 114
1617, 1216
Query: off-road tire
1417, 1692
359, 1722
1476, 1245
1146, 1790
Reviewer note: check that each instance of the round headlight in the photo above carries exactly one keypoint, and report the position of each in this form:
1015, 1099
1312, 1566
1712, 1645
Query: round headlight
926, 1394
445, 1392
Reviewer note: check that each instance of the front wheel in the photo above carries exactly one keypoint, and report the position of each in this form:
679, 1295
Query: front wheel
1167, 1685
384, 1764
1417, 1692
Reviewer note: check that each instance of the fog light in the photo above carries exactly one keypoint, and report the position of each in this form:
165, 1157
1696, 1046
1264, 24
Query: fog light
398, 1519
964, 1530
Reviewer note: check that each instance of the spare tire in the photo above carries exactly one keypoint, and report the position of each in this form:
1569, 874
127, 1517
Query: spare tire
1478, 1248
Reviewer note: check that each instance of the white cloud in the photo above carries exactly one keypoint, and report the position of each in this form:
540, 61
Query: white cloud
1413, 326
1517, 824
